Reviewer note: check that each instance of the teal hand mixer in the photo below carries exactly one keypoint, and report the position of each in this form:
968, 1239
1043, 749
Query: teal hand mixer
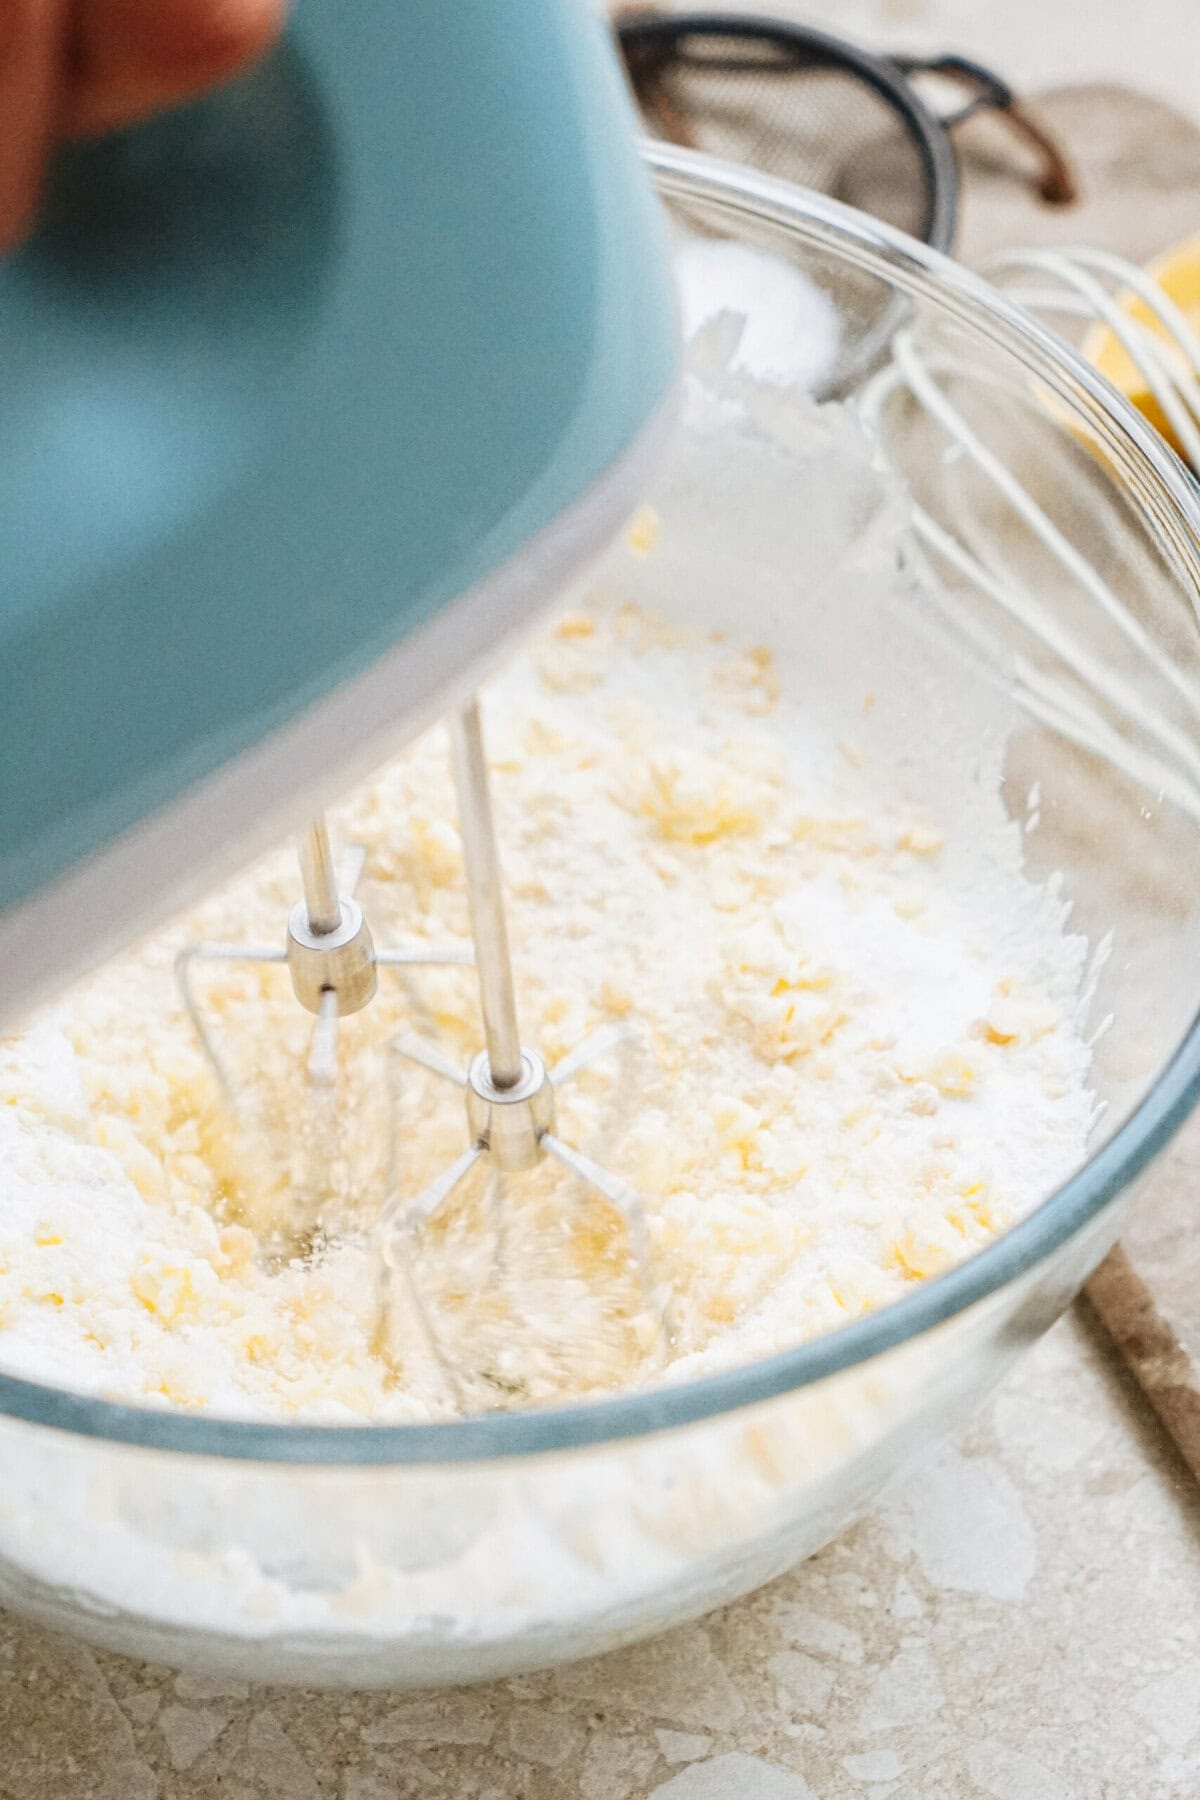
312, 395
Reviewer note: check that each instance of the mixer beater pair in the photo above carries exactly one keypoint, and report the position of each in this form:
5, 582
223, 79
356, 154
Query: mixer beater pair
508, 1090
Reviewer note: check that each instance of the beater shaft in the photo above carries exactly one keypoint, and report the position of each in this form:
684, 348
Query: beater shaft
319, 878
322, 1047
485, 900
510, 1095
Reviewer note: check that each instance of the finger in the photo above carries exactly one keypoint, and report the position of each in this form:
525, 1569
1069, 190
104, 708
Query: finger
30, 71
131, 58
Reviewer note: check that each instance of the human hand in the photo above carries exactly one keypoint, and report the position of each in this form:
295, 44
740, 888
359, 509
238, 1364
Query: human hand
76, 68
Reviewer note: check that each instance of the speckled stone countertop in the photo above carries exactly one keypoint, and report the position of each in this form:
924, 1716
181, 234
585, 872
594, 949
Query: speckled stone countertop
1021, 1622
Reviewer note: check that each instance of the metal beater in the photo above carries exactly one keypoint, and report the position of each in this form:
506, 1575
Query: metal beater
508, 1090
330, 955
333, 963
509, 1093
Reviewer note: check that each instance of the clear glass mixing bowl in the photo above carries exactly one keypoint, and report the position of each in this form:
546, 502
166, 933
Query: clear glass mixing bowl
414, 1556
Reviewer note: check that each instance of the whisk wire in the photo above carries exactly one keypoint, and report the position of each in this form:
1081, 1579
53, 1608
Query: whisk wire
1072, 285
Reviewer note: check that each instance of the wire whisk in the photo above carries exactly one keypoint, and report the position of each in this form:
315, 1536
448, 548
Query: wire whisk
1092, 672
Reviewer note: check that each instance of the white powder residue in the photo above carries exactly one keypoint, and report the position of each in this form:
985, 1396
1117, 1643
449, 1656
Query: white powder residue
790, 330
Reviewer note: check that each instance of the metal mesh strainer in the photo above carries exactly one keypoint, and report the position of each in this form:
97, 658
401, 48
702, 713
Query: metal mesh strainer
800, 105
824, 114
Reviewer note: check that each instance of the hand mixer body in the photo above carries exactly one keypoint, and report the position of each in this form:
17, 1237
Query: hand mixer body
310, 395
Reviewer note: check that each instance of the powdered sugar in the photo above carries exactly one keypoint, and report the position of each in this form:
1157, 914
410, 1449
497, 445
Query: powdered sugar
791, 330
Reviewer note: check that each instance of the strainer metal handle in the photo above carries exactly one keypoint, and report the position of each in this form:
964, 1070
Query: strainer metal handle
987, 92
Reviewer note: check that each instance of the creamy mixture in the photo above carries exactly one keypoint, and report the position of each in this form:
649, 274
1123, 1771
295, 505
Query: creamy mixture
851, 1062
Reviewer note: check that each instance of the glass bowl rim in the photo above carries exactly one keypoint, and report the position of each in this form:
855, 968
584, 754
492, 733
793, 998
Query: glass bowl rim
927, 273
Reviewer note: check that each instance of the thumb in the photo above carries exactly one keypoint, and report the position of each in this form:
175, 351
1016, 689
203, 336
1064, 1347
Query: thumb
131, 58
31, 49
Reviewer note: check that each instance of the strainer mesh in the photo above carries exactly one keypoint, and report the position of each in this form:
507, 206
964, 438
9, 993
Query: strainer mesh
819, 127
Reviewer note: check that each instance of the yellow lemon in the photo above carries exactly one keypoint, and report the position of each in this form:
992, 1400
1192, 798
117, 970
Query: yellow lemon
1177, 273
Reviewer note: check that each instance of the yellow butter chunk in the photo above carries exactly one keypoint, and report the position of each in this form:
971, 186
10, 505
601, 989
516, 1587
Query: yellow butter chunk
693, 799
1019, 1017
163, 1290
770, 983
954, 1073
920, 840
644, 531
